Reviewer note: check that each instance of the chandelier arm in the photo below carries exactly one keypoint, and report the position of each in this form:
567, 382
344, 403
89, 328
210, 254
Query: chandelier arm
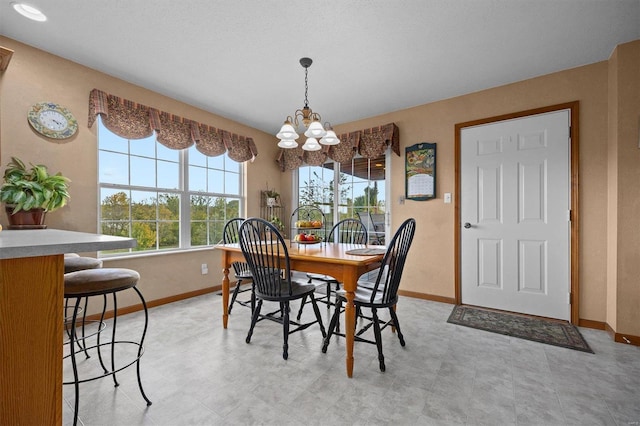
299, 114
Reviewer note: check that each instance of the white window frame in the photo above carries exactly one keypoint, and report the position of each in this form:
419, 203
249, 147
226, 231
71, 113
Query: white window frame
183, 192
295, 190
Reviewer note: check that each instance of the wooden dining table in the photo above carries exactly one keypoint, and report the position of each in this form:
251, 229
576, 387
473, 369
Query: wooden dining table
322, 258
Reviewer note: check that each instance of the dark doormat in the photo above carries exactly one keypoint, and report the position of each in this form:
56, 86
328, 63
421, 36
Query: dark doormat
549, 331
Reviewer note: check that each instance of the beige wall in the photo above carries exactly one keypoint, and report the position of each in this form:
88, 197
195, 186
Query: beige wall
623, 281
35, 76
430, 269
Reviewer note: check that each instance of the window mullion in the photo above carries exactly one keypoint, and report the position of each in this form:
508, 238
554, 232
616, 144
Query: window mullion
185, 201
336, 192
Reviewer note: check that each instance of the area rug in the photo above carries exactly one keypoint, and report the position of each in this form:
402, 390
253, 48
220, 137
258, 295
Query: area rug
551, 332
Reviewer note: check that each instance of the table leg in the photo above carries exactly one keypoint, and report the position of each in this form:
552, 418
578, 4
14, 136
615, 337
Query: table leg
225, 296
350, 325
350, 285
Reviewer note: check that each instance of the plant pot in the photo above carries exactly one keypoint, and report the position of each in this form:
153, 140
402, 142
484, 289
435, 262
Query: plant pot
29, 219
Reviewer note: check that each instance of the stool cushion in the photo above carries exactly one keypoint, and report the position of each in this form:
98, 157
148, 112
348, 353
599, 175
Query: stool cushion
91, 282
72, 264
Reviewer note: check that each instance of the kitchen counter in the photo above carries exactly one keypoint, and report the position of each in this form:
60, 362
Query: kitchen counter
40, 242
32, 319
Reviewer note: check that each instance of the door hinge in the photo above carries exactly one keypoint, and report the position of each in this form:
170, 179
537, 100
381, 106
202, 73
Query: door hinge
569, 215
570, 298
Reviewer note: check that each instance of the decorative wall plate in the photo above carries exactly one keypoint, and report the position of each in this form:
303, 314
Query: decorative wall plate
52, 120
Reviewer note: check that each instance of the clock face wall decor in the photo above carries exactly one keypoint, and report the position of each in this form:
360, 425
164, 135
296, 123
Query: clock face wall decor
52, 120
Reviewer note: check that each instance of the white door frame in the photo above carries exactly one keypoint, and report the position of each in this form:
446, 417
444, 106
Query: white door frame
573, 107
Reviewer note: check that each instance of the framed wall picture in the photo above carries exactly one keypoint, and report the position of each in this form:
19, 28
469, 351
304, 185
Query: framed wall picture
420, 171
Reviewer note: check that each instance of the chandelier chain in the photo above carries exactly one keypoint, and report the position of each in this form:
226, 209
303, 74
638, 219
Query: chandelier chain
306, 87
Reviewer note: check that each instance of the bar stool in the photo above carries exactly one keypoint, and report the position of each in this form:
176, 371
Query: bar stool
102, 282
74, 262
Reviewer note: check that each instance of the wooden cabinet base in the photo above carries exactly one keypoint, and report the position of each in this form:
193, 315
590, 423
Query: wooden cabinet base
31, 297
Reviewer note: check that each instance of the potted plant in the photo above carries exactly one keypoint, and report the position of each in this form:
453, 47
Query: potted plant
29, 193
272, 197
275, 220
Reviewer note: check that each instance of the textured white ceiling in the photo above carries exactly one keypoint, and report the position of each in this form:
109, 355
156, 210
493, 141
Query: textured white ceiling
239, 59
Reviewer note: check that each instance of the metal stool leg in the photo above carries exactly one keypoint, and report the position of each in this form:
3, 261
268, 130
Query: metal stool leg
113, 341
72, 350
99, 347
141, 347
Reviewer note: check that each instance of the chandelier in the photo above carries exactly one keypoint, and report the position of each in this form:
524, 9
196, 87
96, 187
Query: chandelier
315, 133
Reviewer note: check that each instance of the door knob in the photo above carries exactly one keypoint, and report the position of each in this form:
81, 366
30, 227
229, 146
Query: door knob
467, 225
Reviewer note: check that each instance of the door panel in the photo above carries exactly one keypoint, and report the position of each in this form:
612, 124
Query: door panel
515, 196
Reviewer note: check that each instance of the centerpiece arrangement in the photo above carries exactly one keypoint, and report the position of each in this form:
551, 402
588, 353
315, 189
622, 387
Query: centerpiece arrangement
30, 192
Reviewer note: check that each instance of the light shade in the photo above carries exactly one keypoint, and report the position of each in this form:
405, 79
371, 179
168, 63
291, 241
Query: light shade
29, 12
288, 143
287, 132
311, 145
315, 130
330, 138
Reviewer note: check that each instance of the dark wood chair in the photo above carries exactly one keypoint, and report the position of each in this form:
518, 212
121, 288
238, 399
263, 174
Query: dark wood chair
382, 295
240, 269
349, 231
266, 254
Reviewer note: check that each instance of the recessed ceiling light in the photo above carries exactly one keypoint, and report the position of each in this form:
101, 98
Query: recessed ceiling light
29, 12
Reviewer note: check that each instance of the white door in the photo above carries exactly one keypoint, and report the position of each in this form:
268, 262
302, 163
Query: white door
515, 207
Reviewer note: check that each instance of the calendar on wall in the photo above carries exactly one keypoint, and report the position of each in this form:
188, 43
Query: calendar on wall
420, 171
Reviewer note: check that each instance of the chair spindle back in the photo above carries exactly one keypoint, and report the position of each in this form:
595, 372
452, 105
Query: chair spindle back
266, 254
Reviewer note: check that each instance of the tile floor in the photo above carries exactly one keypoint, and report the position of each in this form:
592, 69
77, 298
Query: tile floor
197, 373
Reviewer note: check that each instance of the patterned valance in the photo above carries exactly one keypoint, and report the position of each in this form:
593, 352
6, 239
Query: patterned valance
208, 140
240, 149
125, 118
375, 141
131, 120
369, 143
290, 158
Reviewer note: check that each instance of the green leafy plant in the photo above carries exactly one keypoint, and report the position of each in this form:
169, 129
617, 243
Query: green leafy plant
275, 220
270, 193
31, 188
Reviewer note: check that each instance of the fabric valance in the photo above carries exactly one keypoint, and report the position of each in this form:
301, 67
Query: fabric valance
131, 120
369, 143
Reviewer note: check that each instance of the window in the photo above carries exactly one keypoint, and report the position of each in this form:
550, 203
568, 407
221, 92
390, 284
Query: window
166, 199
359, 183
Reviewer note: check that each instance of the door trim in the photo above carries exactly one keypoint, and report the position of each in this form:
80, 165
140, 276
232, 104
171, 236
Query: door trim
574, 270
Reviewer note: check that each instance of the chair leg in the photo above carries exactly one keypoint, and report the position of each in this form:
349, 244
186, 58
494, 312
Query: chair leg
285, 327
234, 295
253, 297
254, 319
302, 302
318, 316
394, 317
332, 326
376, 332
328, 294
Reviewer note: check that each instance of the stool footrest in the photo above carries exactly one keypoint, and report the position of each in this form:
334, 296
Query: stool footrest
108, 373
